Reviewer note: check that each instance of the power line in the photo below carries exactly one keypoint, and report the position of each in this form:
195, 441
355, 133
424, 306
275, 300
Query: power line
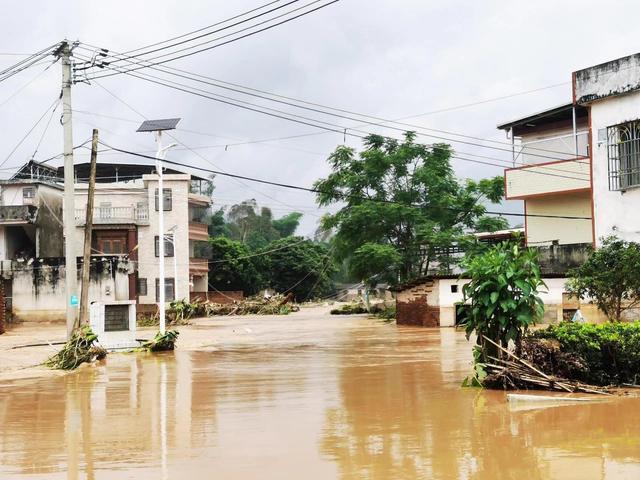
288, 101
205, 28
55, 105
184, 145
552, 171
238, 38
334, 193
330, 127
27, 84
306, 120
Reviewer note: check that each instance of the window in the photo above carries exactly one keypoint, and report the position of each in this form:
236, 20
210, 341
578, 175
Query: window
168, 245
623, 152
110, 242
28, 192
454, 288
169, 289
116, 318
166, 206
142, 286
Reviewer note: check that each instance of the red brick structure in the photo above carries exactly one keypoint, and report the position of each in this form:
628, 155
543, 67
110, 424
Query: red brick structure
412, 306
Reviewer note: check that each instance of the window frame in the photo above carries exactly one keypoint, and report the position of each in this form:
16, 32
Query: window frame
169, 247
142, 286
167, 198
168, 282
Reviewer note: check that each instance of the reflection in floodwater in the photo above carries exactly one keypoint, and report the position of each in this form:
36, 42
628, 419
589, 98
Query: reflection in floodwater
336, 398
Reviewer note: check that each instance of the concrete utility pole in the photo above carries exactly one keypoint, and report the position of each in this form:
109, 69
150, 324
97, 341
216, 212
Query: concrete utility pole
88, 227
71, 272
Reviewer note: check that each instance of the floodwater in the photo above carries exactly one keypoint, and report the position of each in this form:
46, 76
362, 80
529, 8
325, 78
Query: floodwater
304, 398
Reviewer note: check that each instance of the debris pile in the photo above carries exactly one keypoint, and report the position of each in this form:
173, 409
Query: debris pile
162, 342
275, 305
509, 371
81, 348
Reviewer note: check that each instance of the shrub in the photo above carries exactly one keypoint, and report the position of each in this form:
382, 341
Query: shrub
610, 277
610, 351
502, 295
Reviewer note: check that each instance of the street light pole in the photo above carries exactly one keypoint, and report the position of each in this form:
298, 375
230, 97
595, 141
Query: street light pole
157, 127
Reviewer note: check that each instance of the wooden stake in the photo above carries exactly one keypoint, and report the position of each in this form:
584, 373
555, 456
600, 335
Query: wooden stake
88, 227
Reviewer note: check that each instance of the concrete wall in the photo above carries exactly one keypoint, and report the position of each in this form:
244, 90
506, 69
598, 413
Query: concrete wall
38, 287
615, 77
545, 230
616, 212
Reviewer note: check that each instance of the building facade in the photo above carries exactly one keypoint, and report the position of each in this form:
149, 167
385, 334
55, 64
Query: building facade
124, 241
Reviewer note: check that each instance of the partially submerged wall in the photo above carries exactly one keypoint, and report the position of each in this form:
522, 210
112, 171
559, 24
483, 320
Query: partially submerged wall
39, 286
418, 305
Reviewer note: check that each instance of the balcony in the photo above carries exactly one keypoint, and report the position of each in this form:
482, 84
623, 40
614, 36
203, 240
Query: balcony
17, 214
565, 176
115, 215
198, 266
198, 232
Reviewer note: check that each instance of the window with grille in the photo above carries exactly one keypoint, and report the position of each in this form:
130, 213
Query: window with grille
623, 151
167, 200
169, 289
116, 318
168, 246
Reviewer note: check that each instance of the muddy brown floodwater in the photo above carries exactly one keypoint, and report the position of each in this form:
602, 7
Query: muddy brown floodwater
304, 398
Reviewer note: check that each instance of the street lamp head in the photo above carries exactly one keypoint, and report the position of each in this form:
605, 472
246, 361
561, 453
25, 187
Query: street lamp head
158, 125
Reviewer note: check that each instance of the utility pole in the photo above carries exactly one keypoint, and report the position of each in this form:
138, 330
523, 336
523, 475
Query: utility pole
88, 227
71, 270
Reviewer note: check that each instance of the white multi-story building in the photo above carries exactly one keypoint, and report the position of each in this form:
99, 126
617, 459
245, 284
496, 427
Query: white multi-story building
125, 236
125, 222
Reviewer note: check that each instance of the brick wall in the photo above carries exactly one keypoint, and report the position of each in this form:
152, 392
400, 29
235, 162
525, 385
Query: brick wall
418, 306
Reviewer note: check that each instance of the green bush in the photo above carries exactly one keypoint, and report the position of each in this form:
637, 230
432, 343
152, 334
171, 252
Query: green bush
611, 351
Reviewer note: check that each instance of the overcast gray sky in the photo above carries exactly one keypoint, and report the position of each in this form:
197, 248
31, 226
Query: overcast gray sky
388, 58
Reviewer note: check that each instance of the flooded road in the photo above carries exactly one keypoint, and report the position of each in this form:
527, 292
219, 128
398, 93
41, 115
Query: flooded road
304, 397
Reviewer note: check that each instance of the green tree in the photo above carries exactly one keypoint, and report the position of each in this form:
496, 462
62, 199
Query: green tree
232, 267
373, 263
287, 225
256, 227
404, 195
502, 296
610, 277
301, 266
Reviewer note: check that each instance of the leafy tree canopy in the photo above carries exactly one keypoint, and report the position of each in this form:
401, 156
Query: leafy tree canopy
301, 266
232, 266
403, 195
611, 277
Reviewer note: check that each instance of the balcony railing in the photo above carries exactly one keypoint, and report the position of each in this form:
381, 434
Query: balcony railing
112, 215
198, 266
17, 214
548, 178
198, 231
